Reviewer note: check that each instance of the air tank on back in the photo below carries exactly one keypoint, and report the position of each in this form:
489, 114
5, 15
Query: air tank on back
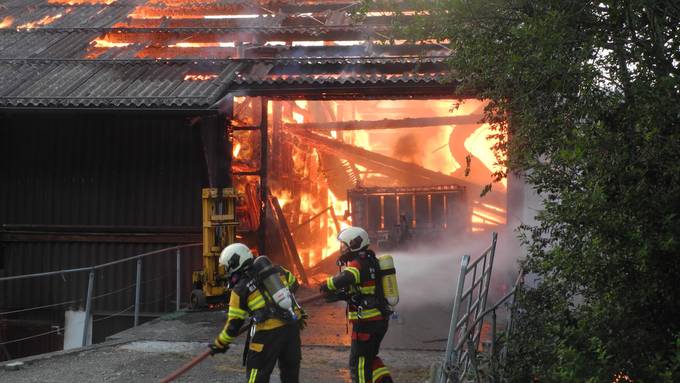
271, 279
389, 279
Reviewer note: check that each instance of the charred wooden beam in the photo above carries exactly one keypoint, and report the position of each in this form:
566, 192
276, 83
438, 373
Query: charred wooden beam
217, 148
389, 124
287, 237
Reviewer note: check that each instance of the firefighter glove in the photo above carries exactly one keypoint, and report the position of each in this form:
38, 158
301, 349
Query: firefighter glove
323, 288
218, 348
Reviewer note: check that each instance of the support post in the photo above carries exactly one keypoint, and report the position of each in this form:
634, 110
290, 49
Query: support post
88, 308
217, 148
177, 298
137, 290
264, 187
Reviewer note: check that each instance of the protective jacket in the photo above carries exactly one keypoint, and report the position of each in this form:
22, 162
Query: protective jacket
368, 311
361, 280
250, 299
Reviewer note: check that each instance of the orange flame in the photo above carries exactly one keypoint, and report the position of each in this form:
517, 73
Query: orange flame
200, 77
338, 209
6, 22
204, 45
237, 148
102, 43
42, 22
481, 147
284, 196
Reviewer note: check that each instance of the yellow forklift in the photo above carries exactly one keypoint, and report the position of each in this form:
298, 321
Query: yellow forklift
219, 230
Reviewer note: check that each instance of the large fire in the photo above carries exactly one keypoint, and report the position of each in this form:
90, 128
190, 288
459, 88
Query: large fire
309, 193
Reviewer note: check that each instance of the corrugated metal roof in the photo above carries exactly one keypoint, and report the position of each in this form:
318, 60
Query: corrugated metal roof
112, 83
65, 16
19, 45
363, 79
163, 83
111, 56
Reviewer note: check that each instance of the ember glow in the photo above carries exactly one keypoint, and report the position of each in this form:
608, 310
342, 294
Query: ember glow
6, 22
42, 22
101, 43
203, 45
317, 43
200, 77
218, 17
81, 2
622, 378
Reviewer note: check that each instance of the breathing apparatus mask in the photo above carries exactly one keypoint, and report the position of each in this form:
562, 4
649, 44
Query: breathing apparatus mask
234, 273
346, 254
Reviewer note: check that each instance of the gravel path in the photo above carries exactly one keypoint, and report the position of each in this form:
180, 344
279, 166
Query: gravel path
155, 349
149, 361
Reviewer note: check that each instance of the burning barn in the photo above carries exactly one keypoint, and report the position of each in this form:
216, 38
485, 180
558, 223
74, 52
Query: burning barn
115, 113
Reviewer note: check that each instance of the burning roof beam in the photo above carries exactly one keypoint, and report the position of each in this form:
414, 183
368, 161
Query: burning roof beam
389, 124
157, 12
407, 173
248, 35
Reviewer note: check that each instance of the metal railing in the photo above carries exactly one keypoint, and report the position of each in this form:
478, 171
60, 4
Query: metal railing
494, 359
474, 280
91, 283
462, 359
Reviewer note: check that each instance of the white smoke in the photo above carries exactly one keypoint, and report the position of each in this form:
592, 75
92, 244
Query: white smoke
427, 275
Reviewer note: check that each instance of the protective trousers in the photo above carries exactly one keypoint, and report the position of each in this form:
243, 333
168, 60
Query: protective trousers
280, 345
364, 364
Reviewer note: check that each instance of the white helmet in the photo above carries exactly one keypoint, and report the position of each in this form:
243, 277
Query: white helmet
354, 238
235, 256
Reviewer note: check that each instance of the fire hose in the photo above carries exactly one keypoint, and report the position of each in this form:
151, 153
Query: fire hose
199, 358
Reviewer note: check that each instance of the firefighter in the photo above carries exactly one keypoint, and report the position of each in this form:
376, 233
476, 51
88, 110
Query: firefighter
277, 318
359, 284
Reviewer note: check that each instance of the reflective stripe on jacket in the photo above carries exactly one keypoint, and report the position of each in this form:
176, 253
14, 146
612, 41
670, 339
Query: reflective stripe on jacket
245, 299
359, 277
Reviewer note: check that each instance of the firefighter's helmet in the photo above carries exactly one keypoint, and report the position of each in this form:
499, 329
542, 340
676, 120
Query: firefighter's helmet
235, 257
354, 239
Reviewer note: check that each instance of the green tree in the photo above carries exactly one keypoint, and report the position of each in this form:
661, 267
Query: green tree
585, 99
